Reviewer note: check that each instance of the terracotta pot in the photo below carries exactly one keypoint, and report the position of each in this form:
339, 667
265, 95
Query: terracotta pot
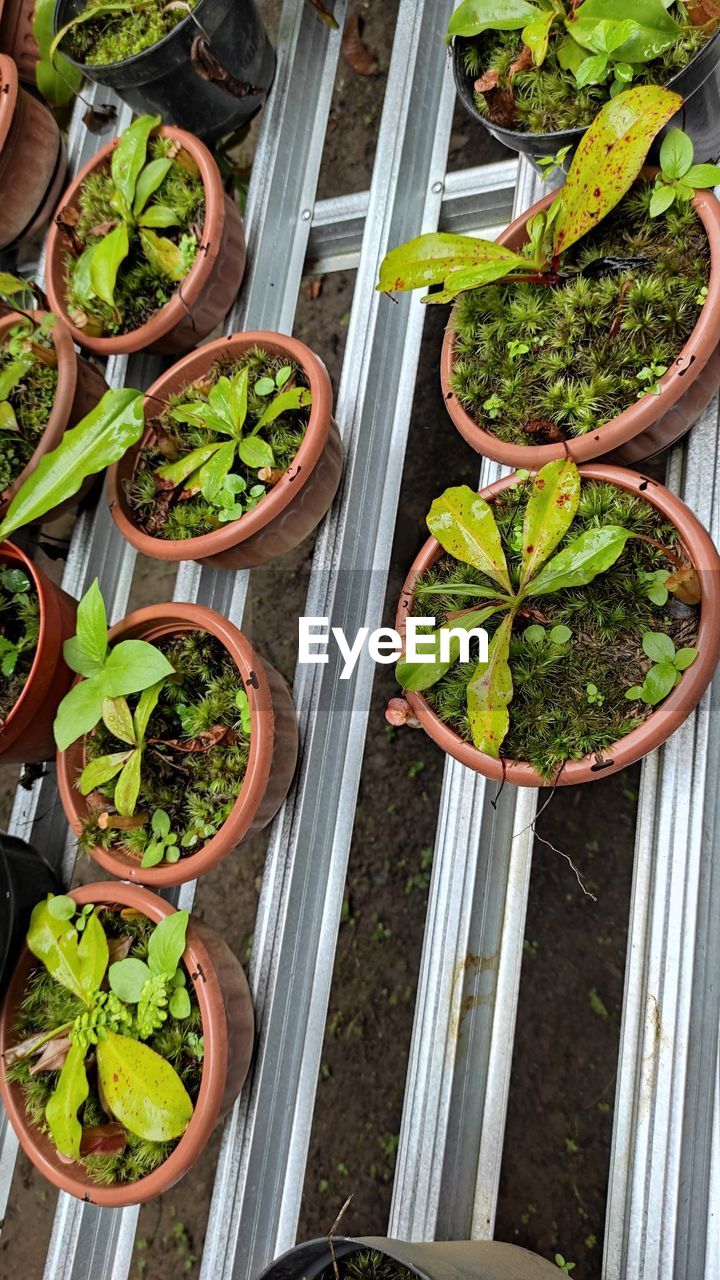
207, 292
271, 762
80, 385
222, 993
648, 425
667, 717
16, 36
292, 508
26, 735
33, 163
431, 1260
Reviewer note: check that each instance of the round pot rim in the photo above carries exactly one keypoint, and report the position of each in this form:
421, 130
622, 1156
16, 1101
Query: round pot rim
577, 131
637, 417
67, 372
8, 99
176, 310
279, 496
207, 1104
36, 577
135, 57
667, 716
155, 621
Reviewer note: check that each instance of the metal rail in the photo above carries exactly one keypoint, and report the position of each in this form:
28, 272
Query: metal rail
665, 1173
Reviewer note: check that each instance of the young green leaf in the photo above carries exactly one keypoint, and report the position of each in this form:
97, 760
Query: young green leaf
659, 682
684, 658
107, 257
158, 215
128, 158
128, 977
142, 1090
127, 787
167, 943
91, 625
643, 34
295, 398
255, 452
101, 770
180, 1006
536, 36
662, 198
150, 179
78, 713
55, 943
68, 1096
490, 691
416, 676
163, 254
176, 473
658, 646
577, 564
133, 665
471, 590
62, 907
93, 953
549, 513
101, 438
118, 719
592, 70
432, 258
147, 703
676, 154
702, 175
211, 474
610, 157
464, 525
474, 16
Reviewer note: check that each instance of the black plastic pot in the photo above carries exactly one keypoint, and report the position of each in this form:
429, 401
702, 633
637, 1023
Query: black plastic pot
441, 1260
698, 82
164, 79
25, 878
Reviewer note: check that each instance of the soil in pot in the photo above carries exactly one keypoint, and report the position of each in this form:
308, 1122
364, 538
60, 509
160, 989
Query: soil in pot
219, 445
150, 1006
19, 632
587, 664
28, 385
547, 99
538, 364
160, 253
193, 763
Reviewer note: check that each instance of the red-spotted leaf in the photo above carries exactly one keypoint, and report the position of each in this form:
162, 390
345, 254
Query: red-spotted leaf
577, 564
610, 157
549, 513
489, 693
464, 525
142, 1090
432, 258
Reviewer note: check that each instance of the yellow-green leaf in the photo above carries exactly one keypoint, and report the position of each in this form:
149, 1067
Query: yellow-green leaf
430, 259
93, 952
577, 564
609, 158
474, 16
151, 177
549, 513
127, 786
56, 944
147, 703
536, 36
163, 255
419, 675
128, 158
464, 525
107, 257
118, 719
101, 770
490, 691
68, 1096
142, 1090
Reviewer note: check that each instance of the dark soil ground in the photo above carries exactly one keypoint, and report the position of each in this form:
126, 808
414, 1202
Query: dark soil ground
562, 1091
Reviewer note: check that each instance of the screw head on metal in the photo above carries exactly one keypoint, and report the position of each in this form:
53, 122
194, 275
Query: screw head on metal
437, 187
306, 215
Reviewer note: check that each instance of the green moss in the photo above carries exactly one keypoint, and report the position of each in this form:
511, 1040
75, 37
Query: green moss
194, 516
32, 400
196, 788
547, 99
141, 289
47, 1005
19, 630
552, 717
370, 1264
574, 375
115, 37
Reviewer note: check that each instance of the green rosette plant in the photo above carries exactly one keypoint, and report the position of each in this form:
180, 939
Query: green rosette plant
512, 576
100, 1058
547, 66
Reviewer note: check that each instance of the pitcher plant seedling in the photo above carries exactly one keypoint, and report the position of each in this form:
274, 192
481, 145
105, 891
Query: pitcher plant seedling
140, 1090
599, 45
464, 524
606, 164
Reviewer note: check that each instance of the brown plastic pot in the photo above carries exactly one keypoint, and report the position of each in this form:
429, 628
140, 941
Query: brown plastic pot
271, 762
431, 1260
223, 996
16, 36
80, 385
292, 508
647, 426
668, 716
26, 735
33, 163
207, 292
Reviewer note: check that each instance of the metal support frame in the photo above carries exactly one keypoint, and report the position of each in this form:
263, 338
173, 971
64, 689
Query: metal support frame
665, 1174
